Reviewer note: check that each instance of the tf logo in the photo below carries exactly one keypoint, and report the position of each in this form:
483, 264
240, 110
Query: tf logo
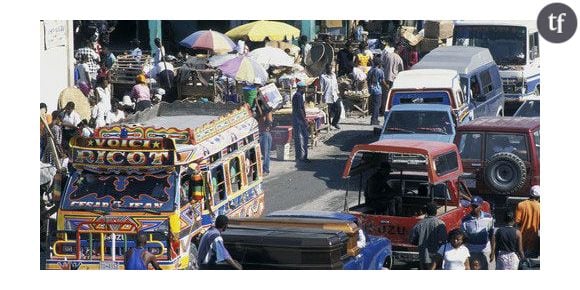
557, 22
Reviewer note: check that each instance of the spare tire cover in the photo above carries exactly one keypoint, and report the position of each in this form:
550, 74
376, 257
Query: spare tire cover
505, 173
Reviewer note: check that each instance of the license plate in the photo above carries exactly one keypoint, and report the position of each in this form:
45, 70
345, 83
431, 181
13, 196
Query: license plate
109, 265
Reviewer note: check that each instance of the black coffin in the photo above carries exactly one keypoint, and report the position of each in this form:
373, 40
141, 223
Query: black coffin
286, 248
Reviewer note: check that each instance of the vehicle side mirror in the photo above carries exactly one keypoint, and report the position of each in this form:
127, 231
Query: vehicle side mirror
533, 53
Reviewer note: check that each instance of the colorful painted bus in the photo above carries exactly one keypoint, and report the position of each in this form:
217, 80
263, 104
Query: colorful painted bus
166, 173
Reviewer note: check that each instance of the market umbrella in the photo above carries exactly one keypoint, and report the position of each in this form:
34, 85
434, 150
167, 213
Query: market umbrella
220, 59
259, 30
243, 68
267, 56
210, 40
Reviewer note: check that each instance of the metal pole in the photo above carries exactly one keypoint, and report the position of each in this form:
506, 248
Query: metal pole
360, 188
113, 244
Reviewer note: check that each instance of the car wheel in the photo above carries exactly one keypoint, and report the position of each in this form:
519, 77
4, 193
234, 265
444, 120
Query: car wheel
505, 173
388, 264
192, 265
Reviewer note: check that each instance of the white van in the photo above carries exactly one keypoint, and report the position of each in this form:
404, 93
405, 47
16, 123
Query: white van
430, 86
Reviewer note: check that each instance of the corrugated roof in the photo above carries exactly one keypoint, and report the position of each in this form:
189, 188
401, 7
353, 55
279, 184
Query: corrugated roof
462, 59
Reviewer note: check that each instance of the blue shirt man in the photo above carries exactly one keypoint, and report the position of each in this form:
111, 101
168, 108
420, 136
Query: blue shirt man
211, 247
376, 82
478, 227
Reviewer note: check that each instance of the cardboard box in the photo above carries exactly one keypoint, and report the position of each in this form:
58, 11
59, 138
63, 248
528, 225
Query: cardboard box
438, 29
271, 95
428, 44
412, 38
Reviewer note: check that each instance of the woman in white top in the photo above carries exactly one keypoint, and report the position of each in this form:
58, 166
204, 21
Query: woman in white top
453, 254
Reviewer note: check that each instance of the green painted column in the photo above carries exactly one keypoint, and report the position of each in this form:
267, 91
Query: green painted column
308, 27
154, 32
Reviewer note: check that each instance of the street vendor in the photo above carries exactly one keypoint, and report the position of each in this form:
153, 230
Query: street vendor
141, 94
299, 124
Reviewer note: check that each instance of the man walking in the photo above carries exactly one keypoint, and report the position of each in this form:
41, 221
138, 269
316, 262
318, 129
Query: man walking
478, 226
392, 65
376, 83
139, 258
299, 124
428, 234
528, 219
507, 245
329, 87
211, 247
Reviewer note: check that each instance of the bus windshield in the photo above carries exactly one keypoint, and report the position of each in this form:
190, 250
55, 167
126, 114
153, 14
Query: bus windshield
105, 193
507, 44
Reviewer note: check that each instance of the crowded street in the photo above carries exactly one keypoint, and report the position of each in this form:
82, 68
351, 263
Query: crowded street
298, 144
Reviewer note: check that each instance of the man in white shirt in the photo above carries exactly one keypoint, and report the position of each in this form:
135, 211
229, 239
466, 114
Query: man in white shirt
329, 87
115, 115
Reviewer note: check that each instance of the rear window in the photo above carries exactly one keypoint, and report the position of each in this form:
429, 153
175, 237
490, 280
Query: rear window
435, 97
446, 163
512, 143
420, 122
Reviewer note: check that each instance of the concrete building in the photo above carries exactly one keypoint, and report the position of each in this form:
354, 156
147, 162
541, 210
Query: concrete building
56, 60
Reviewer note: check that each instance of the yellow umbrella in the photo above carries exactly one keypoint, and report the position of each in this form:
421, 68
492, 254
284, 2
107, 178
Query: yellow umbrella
259, 30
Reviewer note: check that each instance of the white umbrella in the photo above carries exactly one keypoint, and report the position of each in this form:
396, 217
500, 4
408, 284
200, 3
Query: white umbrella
267, 56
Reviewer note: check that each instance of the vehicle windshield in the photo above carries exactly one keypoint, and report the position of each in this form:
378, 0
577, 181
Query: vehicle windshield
529, 109
419, 122
421, 97
105, 193
507, 44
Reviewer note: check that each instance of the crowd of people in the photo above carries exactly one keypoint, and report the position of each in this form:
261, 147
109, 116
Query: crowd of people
477, 244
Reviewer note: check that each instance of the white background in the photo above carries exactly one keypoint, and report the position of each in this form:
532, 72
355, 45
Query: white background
19, 203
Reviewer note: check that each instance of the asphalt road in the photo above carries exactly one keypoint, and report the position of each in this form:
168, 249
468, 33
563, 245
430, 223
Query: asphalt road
317, 185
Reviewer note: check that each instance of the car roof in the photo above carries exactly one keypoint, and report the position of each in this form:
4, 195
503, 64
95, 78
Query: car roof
425, 78
462, 59
421, 107
530, 24
502, 124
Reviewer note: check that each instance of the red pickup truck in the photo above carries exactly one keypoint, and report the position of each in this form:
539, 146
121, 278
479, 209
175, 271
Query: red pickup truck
417, 172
